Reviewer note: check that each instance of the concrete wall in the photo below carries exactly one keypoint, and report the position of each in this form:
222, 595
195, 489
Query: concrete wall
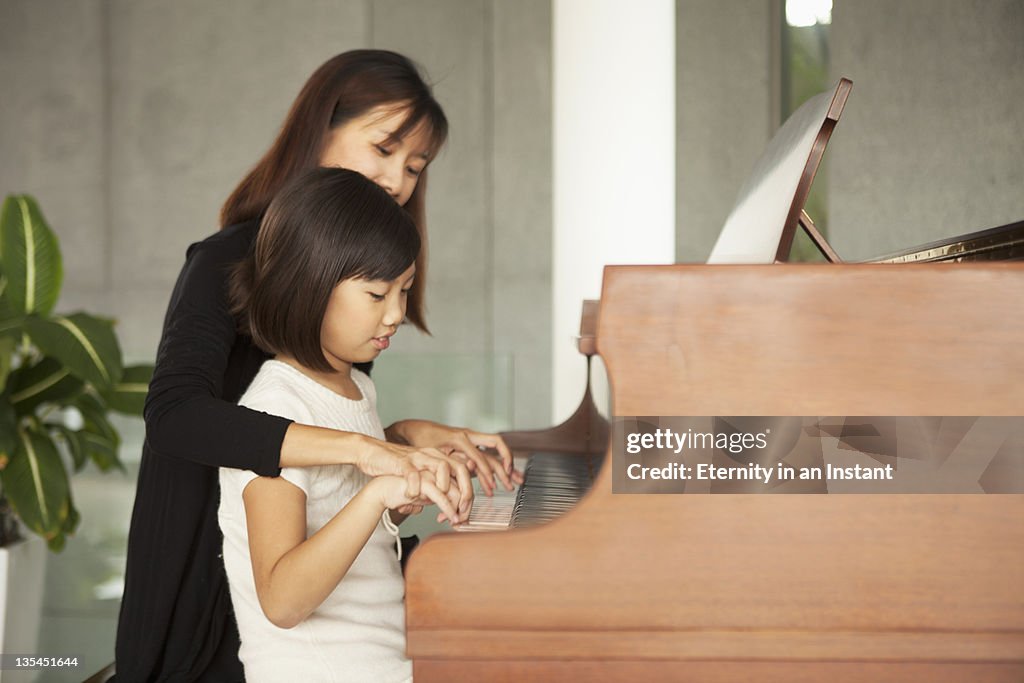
723, 108
132, 121
929, 145
931, 141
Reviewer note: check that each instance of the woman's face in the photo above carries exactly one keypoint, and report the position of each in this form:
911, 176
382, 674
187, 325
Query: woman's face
361, 144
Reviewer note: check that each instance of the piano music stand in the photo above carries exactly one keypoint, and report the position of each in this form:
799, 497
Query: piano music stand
770, 205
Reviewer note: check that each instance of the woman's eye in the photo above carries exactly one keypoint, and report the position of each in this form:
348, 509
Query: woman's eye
383, 151
414, 172
377, 297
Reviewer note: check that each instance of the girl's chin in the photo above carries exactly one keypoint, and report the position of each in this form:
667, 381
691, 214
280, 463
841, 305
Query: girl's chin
366, 356
362, 356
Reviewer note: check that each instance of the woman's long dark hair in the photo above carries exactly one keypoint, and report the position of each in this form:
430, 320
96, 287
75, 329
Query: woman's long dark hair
344, 87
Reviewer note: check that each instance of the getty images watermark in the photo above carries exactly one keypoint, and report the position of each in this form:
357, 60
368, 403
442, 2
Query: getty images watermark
959, 454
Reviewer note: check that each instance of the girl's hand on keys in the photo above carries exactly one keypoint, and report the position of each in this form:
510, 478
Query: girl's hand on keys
382, 458
415, 490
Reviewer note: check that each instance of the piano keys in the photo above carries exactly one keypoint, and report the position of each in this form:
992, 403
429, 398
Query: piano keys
491, 513
558, 464
553, 483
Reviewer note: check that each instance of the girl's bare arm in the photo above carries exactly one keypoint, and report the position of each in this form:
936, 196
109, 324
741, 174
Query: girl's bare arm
295, 574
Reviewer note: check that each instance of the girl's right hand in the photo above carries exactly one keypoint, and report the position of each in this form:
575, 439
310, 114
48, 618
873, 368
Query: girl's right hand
448, 475
417, 488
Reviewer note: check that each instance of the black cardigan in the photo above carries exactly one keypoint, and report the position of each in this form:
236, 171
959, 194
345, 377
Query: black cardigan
176, 622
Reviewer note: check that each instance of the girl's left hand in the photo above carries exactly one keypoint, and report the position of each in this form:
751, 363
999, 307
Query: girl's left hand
465, 444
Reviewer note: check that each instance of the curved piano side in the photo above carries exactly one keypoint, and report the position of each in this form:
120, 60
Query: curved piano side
765, 587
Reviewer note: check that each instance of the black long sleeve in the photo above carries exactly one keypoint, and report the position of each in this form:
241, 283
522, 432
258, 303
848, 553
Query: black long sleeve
203, 368
176, 622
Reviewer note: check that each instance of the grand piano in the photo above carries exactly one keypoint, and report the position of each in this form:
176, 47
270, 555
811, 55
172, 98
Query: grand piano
759, 587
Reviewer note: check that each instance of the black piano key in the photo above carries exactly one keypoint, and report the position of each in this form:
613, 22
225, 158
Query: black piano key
553, 484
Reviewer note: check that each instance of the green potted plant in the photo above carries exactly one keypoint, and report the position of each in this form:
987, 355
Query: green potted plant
60, 377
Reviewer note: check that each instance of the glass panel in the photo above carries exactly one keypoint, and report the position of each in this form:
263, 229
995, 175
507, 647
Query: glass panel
463, 389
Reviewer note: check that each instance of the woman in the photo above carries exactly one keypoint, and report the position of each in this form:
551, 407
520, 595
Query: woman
366, 110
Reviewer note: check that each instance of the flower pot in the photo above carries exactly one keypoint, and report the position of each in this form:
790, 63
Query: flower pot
22, 580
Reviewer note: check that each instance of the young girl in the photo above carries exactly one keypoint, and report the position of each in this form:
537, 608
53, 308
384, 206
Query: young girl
311, 555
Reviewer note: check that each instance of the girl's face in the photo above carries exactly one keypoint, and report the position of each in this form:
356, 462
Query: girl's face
361, 317
361, 144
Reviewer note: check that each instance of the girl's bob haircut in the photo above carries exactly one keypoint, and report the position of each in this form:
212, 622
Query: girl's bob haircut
327, 225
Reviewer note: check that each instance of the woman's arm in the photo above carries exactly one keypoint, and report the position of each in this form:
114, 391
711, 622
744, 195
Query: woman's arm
188, 416
306, 446
187, 412
294, 574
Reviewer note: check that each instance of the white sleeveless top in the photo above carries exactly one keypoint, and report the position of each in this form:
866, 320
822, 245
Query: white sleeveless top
358, 633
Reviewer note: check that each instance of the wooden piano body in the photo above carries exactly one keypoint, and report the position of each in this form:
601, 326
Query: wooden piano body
760, 587
723, 588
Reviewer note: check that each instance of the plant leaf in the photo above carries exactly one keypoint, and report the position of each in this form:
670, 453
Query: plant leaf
98, 437
10, 320
94, 414
75, 443
73, 519
101, 450
11, 325
7, 346
128, 396
46, 381
30, 256
56, 543
8, 424
83, 342
36, 484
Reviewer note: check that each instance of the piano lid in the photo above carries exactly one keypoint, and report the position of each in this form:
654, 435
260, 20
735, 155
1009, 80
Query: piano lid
764, 219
